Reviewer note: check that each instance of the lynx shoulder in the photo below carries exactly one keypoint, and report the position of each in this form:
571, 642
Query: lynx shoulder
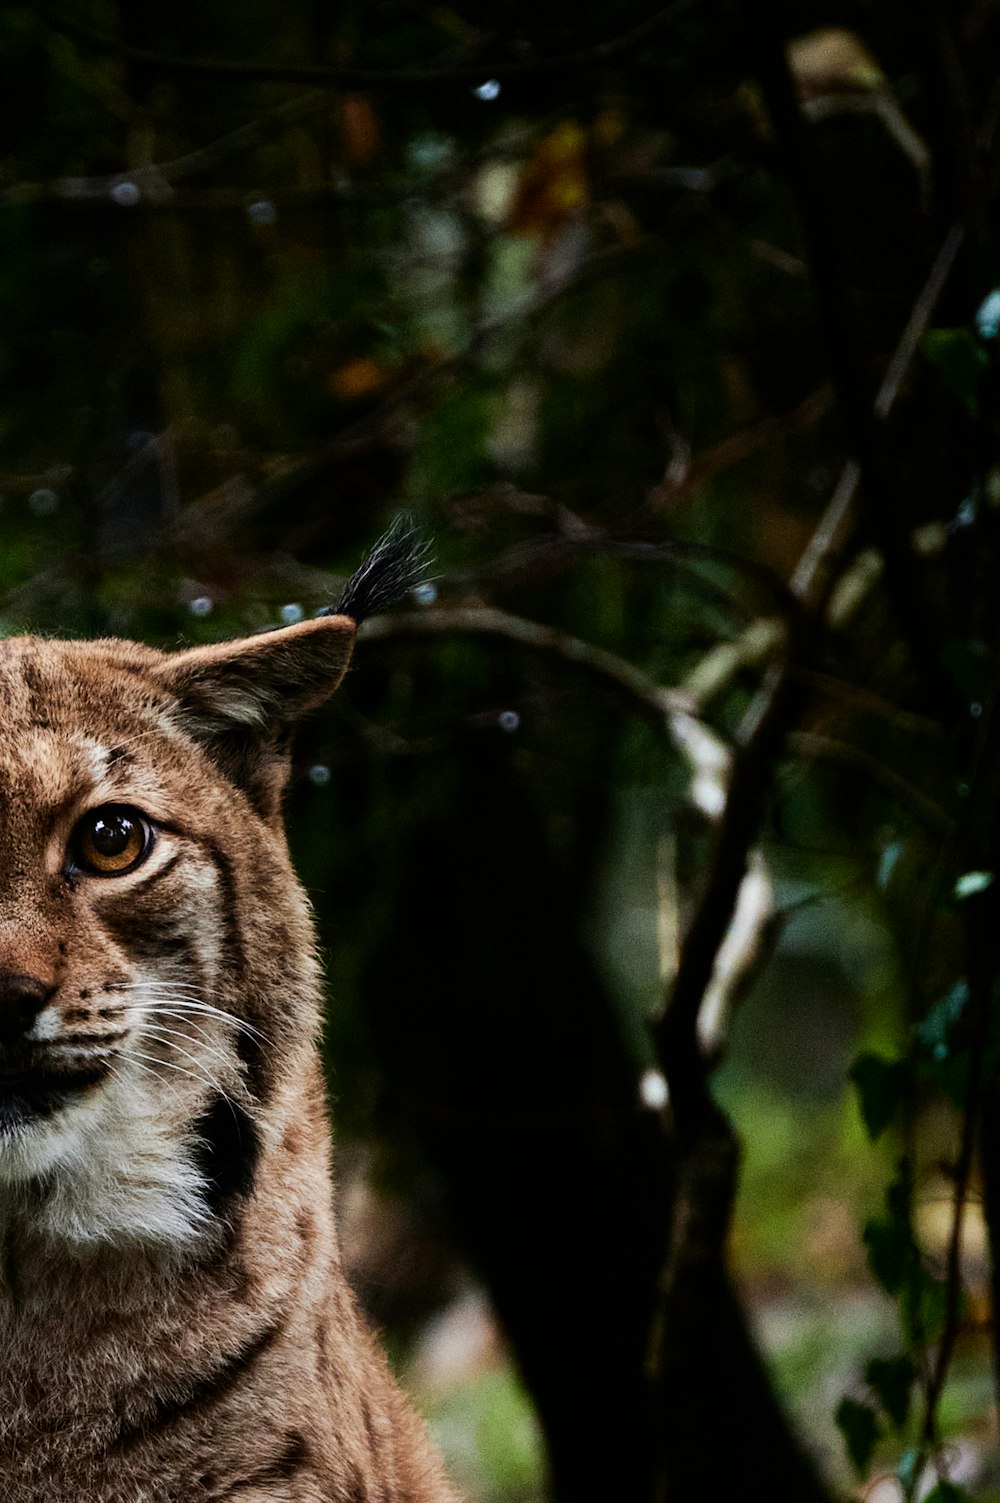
175, 1325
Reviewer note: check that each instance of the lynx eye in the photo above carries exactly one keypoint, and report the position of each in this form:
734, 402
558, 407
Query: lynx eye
110, 841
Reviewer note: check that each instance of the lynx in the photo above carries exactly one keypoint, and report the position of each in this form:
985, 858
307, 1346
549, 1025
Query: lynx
175, 1323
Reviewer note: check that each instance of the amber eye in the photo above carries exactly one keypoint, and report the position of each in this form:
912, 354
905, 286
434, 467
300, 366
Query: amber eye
111, 841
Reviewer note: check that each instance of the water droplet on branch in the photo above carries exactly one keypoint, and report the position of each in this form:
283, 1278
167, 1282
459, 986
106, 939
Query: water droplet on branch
44, 502
126, 194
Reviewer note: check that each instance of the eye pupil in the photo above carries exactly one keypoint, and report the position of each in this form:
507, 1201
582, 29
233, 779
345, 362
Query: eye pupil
111, 841
111, 836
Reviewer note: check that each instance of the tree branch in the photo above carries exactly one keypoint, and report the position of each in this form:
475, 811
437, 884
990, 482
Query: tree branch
838, 328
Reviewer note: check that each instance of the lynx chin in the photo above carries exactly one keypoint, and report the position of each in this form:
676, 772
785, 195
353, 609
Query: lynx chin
175, 1325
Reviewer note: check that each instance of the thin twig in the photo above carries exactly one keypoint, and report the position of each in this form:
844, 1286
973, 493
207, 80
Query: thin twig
742, 445
928, 813
419, 78
653, 701
883, 519
865, 701
917, 323
827, 543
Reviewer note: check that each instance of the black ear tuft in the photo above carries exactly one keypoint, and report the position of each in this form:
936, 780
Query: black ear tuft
396, 565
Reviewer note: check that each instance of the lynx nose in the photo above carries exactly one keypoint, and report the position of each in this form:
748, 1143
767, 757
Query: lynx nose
21, 1000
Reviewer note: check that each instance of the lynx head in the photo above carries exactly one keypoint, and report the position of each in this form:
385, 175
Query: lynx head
158, 983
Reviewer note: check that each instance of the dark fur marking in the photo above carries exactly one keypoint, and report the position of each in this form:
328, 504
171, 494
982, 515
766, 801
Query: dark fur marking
294, 1456
374, 1445
35, 1095
226, 1149
158, 876
35, 685
305, 1227
119, 756
148, 935
250, 1049
214, 1388
327, 1365
235, 958
249, 1046
357, 1487
233, 948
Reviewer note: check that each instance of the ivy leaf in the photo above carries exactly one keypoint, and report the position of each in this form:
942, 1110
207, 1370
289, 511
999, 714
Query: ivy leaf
926, 1306
858, 1423
881, 1087
894, 1258
890, 1252
961, 362
891, 1379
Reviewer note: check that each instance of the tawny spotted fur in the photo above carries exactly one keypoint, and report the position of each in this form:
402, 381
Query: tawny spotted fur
175, 1326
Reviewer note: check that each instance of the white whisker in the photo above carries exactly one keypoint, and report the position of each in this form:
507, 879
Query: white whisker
131, 1060
191, 1004
199, 1078
155, 1030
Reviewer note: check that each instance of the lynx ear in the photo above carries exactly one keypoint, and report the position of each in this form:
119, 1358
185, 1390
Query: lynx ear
241, 699
261, 684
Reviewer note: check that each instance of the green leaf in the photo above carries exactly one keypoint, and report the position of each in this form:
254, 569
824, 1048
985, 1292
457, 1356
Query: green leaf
961, 362
970, 664
881, 1086
860, 1428
891, 1379
948, 1492
890, 1252
928, 1304
893, 1254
